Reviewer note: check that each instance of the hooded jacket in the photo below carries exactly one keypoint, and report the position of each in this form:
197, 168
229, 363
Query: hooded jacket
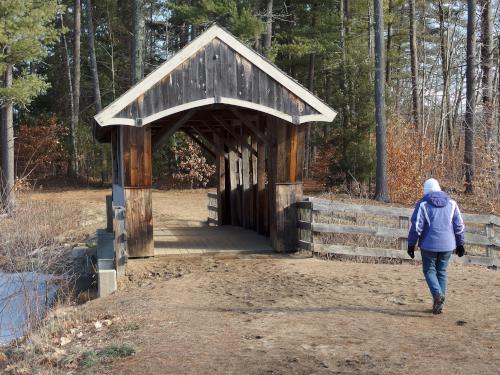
436, 223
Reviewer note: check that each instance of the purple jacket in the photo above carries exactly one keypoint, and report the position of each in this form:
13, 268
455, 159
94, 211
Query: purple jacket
436, 223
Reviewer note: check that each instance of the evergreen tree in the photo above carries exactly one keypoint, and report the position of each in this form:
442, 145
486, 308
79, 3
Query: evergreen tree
27, 29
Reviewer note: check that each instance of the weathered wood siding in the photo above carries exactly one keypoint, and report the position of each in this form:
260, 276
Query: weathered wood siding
137, 160
139, 222
216, 70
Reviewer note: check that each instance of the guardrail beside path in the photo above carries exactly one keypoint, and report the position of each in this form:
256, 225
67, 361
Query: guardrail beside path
308, 228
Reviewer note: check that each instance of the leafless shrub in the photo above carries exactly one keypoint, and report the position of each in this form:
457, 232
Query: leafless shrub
34, 252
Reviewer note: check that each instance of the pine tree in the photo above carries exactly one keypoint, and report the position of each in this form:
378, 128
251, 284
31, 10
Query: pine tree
26, 30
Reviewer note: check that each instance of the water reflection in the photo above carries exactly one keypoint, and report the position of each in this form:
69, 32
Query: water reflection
24, 297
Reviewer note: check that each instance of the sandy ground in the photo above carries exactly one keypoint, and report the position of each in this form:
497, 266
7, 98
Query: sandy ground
269, 314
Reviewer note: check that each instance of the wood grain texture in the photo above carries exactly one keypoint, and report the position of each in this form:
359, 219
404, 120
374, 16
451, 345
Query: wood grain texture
216, 70
137, 158
220, 175
284, 239
234, 201
139, 222
247, 193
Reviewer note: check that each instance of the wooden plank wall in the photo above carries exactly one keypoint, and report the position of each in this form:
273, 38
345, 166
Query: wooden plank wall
216, 70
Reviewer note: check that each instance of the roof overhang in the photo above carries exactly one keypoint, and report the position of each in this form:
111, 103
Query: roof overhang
107, 116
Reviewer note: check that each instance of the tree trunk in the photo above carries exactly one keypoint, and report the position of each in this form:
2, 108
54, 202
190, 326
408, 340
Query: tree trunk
269, 27
414, 68
8, 198
138, 42
486, 65
76, 85
381, 187
388, 47
312, 62
470, 99
445, 115
70, 91
95, 81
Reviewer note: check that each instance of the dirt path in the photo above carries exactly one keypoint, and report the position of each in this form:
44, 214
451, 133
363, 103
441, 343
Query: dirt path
286, 315
292, 315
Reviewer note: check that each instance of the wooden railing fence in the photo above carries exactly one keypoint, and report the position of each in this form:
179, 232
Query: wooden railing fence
309, 229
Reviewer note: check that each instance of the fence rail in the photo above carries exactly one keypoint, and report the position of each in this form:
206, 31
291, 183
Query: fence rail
309, 229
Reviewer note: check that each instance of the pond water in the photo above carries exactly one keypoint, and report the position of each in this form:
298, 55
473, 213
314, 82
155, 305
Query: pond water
23, 296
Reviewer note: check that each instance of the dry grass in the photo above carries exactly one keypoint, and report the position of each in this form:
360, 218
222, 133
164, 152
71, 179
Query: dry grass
35, 246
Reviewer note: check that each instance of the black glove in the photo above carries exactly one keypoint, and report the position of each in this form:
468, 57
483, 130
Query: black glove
460, 250
411, 251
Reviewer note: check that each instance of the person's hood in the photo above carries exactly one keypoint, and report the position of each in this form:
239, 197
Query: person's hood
437, 198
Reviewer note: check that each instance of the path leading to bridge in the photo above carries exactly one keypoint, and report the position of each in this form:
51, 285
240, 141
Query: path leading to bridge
270, 314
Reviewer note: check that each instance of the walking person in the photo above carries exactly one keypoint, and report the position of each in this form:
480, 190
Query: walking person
438, 227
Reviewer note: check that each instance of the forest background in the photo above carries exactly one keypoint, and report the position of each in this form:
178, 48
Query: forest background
442, 87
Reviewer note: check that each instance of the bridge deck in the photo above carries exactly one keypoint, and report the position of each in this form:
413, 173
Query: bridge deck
205, 239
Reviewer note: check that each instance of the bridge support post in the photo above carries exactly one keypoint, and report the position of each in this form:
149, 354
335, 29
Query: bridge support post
285, 182
137, 181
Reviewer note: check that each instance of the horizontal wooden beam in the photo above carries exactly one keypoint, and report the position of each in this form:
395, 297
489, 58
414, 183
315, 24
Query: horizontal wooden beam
325, 205
394, 254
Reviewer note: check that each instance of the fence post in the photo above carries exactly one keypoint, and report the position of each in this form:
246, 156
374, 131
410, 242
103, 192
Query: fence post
120, 240
109, 213
490, 250
403, 224
310, 218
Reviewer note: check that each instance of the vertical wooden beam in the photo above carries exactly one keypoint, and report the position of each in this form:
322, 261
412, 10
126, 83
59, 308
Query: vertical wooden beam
245, 174
221, 179
300, 152
120, 240
286, 235
262, 213
293, 153
109, 213
271, 174
403, 224
139, 222
253, 184
233, 176
284, 150
137, 177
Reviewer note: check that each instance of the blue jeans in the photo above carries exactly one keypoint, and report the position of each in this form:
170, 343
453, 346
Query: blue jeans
435, 265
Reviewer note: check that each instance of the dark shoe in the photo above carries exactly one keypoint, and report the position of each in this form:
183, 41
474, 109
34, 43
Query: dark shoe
437, 307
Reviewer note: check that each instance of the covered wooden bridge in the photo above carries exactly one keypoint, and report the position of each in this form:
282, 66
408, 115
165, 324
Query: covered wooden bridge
237, 106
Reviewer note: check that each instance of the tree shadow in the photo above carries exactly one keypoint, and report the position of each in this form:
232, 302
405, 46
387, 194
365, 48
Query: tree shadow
413, 313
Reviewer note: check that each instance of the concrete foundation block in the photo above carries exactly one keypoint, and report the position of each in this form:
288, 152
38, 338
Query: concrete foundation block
106, 281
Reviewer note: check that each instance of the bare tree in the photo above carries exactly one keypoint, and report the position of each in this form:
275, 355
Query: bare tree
76, 85
269, 27
7, 194
95, 80
470, 97
381, 187
487, 64
414, 68
138, 41
312, 66
445, 115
